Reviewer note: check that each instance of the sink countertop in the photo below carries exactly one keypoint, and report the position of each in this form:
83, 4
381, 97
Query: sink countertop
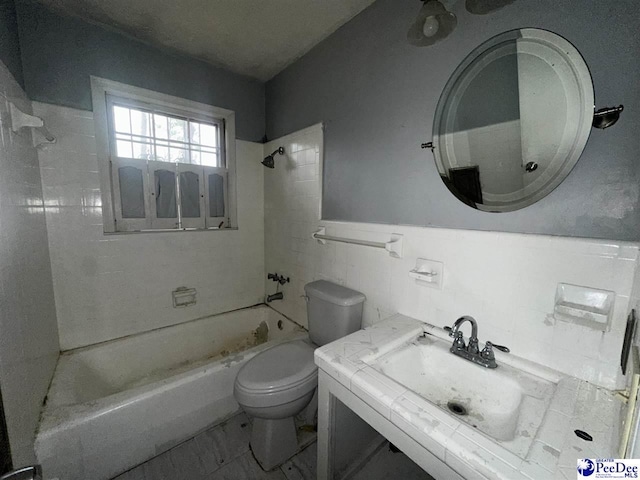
575, 405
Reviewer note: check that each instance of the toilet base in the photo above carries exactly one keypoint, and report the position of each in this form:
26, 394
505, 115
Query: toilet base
273, 441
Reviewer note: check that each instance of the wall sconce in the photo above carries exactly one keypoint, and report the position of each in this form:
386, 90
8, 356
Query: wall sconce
434, 23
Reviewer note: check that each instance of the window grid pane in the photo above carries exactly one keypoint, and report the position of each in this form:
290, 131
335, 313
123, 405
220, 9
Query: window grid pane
156, 136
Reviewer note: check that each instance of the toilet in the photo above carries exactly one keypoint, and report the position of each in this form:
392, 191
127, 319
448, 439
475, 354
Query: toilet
277, 384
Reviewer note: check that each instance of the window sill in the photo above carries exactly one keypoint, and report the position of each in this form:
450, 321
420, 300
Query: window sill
173, 230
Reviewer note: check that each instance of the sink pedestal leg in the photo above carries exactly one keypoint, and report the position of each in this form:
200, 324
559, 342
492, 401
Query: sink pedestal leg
326, 408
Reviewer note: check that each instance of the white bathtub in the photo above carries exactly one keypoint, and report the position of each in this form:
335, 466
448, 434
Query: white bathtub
114, 405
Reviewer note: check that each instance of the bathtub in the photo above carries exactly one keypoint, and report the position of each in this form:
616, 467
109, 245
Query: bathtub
116, 404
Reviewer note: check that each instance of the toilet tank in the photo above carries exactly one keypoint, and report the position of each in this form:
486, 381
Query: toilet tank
333, 311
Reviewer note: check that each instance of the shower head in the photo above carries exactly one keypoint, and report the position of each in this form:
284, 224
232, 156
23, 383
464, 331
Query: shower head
269, 161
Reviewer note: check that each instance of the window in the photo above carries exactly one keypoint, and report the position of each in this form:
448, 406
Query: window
166, 163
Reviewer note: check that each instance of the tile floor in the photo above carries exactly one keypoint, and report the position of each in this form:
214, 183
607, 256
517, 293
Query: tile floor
222, 453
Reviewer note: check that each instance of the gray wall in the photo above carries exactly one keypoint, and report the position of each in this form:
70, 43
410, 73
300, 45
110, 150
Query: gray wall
60, 53
9, 41
377, 95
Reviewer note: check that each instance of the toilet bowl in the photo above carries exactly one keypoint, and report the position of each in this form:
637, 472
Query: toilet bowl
277, 384
273, 388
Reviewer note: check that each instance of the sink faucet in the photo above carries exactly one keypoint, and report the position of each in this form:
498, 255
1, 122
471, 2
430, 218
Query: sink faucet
457, 334
470, 351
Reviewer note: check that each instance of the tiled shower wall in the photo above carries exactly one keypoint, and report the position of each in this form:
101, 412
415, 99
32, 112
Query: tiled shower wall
291, 212
110, 286
506, 281
28, 331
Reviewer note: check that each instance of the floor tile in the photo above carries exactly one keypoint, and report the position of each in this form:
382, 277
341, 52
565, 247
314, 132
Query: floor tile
223, 443
187, 460
160, 468
222, 453
303, 465
386, 464
245, 467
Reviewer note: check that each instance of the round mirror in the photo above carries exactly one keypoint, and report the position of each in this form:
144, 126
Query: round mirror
513, 120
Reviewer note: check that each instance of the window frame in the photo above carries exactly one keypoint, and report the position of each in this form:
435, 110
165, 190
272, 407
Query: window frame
103, 93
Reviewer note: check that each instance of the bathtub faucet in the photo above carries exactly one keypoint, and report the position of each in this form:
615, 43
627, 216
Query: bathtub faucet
275, 296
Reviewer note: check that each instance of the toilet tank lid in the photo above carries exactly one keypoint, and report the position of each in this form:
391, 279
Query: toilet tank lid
336, 294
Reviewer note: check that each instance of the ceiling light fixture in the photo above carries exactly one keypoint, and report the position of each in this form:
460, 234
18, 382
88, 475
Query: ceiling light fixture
434, 23
482, 7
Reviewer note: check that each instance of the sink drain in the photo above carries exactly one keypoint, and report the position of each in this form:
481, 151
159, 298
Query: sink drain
457, 408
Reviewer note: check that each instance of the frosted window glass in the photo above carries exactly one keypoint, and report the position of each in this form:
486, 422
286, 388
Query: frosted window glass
190, 194
216, 195
131, 192
165, 187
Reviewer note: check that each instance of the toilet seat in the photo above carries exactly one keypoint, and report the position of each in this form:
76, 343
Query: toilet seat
277, 376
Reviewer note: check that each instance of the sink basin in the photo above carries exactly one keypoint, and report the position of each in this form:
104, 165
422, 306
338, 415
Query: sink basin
504, 403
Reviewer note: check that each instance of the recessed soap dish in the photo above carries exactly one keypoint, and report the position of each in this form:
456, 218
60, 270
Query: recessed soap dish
589, 307
428, 272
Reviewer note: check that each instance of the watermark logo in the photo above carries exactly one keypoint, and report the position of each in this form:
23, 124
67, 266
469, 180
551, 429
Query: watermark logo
586, 467
608, 468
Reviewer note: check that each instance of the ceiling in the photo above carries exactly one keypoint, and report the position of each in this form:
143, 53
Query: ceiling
250, 37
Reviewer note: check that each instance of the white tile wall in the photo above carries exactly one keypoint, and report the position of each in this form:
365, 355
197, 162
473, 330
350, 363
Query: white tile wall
506, 281
110, 286
28, 331
292, 210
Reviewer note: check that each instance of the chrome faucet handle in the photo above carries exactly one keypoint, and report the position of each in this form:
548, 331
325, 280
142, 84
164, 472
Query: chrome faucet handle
458, 341
487, 351
448, 329
502, 348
